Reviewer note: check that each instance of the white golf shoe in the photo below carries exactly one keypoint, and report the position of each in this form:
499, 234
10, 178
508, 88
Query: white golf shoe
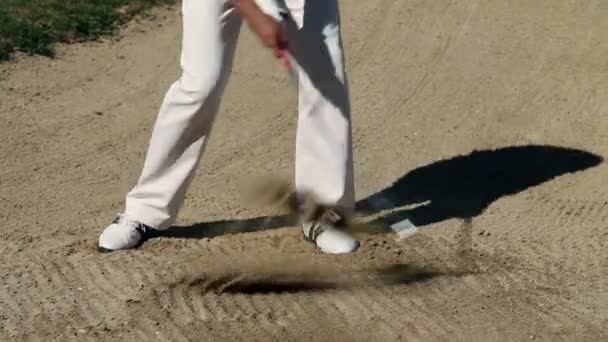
123, 233
329, 239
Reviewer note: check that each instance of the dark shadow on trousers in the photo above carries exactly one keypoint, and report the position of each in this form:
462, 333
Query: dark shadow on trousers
309, 47
459, 187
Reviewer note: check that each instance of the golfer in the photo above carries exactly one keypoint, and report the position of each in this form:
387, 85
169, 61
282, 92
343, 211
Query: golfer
309, 30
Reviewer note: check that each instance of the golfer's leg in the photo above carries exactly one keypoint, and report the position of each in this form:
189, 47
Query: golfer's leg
324, 161
186, 116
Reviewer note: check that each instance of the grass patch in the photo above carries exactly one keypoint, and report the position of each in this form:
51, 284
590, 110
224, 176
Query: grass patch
33, 26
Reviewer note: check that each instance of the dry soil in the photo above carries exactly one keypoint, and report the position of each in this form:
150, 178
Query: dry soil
484, 122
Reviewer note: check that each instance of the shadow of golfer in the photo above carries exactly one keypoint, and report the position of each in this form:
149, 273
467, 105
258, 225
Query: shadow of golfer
464, 186
459, 187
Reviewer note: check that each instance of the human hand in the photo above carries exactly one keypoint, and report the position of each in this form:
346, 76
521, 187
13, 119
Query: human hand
271, 32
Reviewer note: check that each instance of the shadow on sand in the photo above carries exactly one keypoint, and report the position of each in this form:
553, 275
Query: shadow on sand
255, 282
460, 187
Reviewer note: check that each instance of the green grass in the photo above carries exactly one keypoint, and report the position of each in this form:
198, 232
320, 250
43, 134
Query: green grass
33, 26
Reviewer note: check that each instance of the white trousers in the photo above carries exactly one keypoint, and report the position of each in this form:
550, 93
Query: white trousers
324, 162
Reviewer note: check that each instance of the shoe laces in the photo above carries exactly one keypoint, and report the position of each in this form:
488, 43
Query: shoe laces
131, 223
330, 218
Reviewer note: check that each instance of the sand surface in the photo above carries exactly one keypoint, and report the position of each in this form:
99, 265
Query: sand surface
484, 122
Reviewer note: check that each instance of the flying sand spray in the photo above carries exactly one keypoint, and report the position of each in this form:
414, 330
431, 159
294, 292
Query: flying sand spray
304, 207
